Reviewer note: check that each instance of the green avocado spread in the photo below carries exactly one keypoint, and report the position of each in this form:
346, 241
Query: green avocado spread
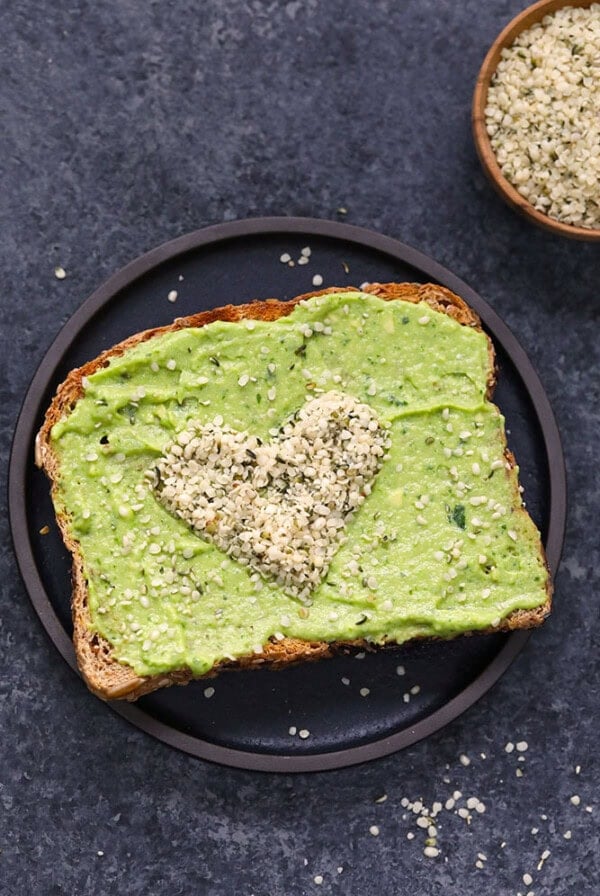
441, 545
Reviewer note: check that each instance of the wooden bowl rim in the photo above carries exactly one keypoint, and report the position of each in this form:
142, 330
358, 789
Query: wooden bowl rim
487, 157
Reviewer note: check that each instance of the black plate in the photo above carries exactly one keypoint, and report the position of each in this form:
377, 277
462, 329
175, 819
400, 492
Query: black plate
246, 723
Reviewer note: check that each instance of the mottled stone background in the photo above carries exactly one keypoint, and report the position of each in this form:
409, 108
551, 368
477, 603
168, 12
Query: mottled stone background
125, 124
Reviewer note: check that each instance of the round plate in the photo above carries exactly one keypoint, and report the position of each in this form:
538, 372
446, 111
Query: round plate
246, 723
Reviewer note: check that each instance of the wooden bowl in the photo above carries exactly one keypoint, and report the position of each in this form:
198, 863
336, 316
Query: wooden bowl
486, 154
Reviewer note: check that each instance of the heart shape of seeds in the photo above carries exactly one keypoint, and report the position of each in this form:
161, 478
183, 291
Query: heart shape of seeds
280, 507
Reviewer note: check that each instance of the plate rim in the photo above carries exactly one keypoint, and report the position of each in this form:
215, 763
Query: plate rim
22, 454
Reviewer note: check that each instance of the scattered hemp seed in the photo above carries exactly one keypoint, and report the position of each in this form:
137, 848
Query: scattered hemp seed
292, 730
209, 692
576, 800
318, 879
567, 835
285, 258
522, 746
317, 280
374, 830
304, 733
509, 747
364, 692
44, 530
60, 273
545, 855
527, 879
464, 760
382, 798
172, 297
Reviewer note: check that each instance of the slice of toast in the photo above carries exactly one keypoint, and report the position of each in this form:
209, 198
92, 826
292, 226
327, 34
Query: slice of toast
111, 679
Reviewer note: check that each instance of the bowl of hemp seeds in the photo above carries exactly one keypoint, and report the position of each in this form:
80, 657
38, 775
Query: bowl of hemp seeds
536, 116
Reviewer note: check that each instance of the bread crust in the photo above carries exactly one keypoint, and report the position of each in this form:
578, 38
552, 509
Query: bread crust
110, 679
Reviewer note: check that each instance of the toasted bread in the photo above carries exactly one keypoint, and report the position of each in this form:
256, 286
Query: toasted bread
110, 679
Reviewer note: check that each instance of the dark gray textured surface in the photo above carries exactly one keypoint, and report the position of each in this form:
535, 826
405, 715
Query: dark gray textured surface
127, 124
